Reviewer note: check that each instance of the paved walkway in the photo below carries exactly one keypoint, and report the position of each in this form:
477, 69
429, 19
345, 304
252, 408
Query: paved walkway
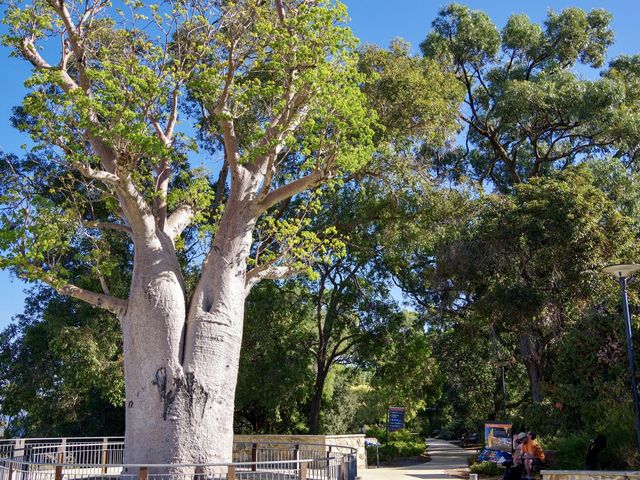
444, 456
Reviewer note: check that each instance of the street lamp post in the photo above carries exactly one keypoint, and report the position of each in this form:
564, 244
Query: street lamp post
621, 273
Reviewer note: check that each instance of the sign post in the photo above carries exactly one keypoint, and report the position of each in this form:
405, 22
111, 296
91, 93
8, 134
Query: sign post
395, 420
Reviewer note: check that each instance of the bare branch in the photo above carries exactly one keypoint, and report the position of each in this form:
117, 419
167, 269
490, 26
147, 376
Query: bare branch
113, 304
101, 175
29, 52
173, 115
179, 220
109, 226
290, 189
267, 272
103, 284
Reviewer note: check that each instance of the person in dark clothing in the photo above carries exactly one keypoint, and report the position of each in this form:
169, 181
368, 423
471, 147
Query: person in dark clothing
596, 445
513, 470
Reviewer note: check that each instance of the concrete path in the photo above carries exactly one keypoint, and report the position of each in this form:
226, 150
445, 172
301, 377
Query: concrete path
444, 456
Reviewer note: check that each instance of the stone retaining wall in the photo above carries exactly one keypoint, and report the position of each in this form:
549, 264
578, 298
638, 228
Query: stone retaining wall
589, 475
355, 441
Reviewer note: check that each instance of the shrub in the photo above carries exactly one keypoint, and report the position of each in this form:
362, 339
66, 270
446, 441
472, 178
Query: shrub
486, 468
617, 424
402, 444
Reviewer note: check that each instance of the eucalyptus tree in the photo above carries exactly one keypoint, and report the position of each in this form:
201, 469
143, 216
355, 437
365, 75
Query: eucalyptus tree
527, 110
416, 101
529, 263
276, 84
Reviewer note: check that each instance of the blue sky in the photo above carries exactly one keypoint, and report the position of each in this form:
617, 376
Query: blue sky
373, 21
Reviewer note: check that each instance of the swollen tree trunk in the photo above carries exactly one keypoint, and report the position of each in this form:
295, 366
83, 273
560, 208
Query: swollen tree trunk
181, 376
152, 330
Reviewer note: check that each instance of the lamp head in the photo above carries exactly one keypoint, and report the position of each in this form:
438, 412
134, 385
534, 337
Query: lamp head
622, 270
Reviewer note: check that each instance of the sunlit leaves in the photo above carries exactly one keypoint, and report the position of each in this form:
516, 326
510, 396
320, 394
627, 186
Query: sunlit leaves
527, 111
415, 98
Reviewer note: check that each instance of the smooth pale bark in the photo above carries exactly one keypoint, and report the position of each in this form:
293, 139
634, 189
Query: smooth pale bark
181, 375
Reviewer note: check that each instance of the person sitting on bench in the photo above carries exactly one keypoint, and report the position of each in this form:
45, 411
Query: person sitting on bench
513, 470
532, 454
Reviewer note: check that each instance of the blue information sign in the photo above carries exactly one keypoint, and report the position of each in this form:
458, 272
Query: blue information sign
396, 418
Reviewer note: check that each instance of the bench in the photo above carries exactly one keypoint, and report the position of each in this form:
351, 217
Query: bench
550, 457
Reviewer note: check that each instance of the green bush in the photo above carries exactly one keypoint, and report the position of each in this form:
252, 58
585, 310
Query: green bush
402, 444
617, 424
486, 468
571, 451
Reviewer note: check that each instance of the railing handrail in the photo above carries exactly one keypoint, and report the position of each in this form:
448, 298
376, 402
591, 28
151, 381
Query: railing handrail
165, 465
75, 441
54, 458
2, 440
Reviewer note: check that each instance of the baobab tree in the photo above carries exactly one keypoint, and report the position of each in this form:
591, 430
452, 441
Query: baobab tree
274, 84
119, 101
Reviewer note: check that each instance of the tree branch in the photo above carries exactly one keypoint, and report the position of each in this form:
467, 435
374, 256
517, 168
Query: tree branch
266, 272
290, 189
178, 221
109, 226
113, 304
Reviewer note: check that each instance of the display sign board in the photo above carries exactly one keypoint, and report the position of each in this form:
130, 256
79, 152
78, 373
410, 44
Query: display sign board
396, 418
497, 436
497, 443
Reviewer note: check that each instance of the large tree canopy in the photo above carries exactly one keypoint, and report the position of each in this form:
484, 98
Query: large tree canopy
527, 110
129, 111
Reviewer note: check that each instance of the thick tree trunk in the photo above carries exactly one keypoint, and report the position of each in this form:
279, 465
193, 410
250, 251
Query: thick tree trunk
181, 376
531, 350
316, 401
534, 371
152, 330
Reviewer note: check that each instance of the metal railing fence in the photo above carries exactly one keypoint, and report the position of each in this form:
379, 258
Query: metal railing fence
103, 459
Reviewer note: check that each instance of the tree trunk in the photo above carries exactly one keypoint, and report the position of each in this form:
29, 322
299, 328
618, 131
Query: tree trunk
152, 330
531, 350
534, 370
316, 402
181, 376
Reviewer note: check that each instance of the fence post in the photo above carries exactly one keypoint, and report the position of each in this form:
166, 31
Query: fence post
353, 470
231, 472
329, 462
144, 473
344, 470
303, 471
254, 456
10, 470
18, 449
62, 448
105, 442
58, 475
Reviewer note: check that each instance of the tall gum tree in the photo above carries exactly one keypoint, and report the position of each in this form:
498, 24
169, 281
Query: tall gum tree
273, 87
527, 111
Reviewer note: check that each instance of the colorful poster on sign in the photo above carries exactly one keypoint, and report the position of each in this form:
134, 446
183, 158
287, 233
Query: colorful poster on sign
495, 456
396, 418
497, 436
